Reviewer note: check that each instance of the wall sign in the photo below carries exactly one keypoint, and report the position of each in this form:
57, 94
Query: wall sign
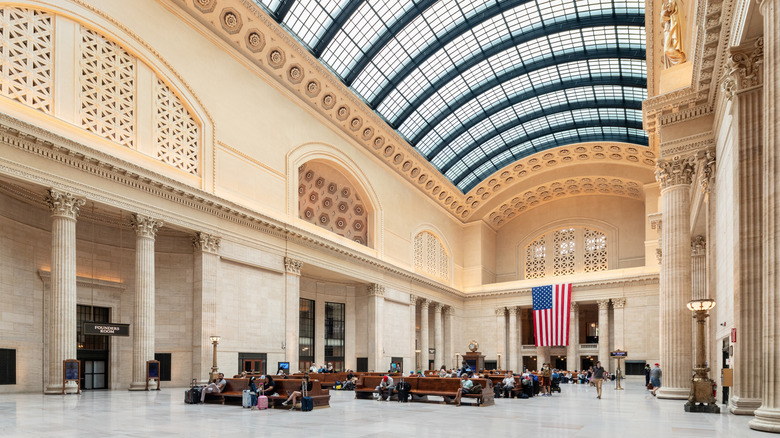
106, 329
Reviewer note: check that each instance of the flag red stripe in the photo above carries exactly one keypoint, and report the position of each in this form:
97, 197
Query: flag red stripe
551, 326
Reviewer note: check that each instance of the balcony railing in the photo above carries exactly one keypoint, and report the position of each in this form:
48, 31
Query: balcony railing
589, 346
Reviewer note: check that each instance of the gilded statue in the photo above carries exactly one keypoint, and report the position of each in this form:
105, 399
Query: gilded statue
670, 20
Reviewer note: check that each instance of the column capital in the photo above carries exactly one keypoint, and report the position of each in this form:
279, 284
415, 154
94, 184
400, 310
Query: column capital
412, 299
744, 68
618, 303
205, 242
64, 204
513, 310
424, 303
437, 307
292, 266
376, 290
575, 306
449, 311
677, 171
656, 220
698, 246
145, 226
603, 304
707, 174
500, 311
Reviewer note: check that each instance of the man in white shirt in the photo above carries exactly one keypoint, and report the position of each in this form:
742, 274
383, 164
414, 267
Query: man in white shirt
214, 387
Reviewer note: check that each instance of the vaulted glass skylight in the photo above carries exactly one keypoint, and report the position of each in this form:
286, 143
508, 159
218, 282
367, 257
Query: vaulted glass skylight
476, 85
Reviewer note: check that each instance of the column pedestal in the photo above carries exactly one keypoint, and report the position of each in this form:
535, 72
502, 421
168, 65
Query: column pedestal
143, 319
62, 293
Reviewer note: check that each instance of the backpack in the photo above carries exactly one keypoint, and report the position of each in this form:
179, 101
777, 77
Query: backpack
476, 389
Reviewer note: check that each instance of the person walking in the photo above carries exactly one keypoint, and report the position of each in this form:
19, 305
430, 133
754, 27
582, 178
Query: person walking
655, 378
647, 374
598, 378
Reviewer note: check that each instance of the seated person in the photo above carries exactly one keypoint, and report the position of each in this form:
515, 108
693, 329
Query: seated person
214, 387
296, 395
387, 385
240, 376
465, 368
508, 384
443, 372
330, 368
313, 368
280, 372
266, 386
465, 387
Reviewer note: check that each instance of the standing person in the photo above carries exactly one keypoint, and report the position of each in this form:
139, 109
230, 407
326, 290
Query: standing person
647, 374
655, 378
465, 387
216, 387
546, 377
464, 369
598, 378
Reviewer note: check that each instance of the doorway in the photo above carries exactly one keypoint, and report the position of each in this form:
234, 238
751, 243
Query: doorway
92, 350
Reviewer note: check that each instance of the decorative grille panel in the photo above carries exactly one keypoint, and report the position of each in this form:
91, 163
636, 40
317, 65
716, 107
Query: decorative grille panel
26, 50
535, 258
176, 132
430, 257
595, 251
107, 97
563, 244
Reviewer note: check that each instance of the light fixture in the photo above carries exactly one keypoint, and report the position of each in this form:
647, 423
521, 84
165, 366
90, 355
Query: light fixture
701, 398
214, 369
214, 339
701, 305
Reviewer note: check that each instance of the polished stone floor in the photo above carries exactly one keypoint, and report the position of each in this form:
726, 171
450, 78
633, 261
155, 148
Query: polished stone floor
573, 413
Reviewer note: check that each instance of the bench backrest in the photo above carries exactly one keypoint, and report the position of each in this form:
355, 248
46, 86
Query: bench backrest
281, 386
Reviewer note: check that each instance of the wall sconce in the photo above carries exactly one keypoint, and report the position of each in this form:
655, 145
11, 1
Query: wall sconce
283, 345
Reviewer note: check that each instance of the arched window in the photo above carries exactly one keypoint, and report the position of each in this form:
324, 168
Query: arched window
566, 250
430, 257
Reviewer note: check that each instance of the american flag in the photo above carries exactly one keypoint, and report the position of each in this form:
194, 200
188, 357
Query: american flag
551, 314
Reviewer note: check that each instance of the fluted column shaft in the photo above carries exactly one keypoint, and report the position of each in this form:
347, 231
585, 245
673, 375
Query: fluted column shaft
143, 316
512, 359
413, 321
768, 415
204, 317
449, 332
292, 278
675, 320
501, 337
438, 337
376, 302
62, 294
518, 359
619, 342
424, 334
604, 333
572, 350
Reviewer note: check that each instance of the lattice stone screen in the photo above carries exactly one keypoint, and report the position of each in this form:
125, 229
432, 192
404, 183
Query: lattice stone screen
430, 257
566, 251
175, 131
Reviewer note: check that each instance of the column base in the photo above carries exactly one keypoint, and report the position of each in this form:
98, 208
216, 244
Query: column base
673, 393
743, 405
767, 420
139, 386
56, 388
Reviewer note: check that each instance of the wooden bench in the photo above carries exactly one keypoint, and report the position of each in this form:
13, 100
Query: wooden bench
422, 387
233, 391
516, 390
234, 388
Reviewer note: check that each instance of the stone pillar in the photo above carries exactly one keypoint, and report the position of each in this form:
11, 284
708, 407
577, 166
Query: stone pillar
376, 301
619, 343
413, 322
768, 415
675, 288
743, 86
604, 333
292, 289
518, 358
501, 338
438, 337
424, 333
62, 293
449, 336
542, 356
143, 306
513, 363
573, 349
204, 302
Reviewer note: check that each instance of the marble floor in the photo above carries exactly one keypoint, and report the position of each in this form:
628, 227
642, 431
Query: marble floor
575, 412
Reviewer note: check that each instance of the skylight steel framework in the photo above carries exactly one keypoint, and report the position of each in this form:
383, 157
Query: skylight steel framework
475, 85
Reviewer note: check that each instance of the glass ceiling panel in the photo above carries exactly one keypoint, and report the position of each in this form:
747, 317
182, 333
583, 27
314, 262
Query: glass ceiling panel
473, 84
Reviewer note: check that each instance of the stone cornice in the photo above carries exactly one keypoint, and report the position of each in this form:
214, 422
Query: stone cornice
499, 290
95, 283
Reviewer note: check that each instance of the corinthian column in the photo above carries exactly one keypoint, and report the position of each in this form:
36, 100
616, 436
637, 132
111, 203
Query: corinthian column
512, 359
618, 304
501, 339
62, 293
604, 333
572, 351
143, 320
449, 332
743, 85
376, 301
438, 337
768, 415
675, 289
413, 321
424, 333
204, 307
292, 278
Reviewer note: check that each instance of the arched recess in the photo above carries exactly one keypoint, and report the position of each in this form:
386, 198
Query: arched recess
335, 159
440, 263
163, 118
579, 224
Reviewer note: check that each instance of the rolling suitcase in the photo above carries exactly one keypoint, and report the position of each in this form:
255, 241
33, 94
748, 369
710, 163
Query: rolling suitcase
192, 395
307, 404
262, 402
246, 398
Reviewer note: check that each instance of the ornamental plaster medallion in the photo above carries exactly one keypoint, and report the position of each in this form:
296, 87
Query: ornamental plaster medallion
367, 133
342, 113
295, 74
230, 20
255, 41
205, 6
313, 88
328, 101
276, 58
356, 123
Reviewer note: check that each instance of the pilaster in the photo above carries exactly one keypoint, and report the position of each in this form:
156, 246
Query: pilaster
376, 301
438, 336
61, 337
292, 292
619, 342
424, 340
204, 285
513, 359
501, 337
604, 333
572, 350
449, 333
413, 328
